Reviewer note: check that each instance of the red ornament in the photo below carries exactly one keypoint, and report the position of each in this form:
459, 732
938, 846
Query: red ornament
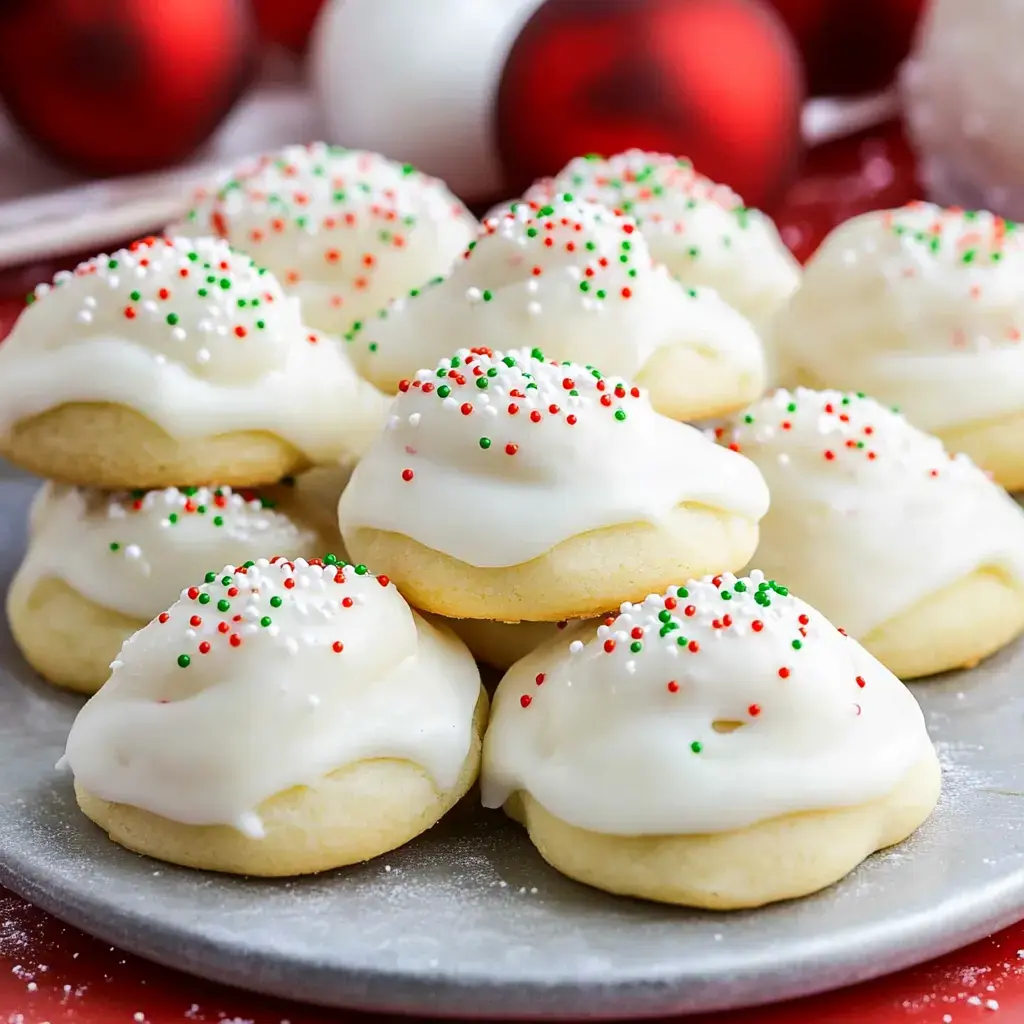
850, 46
288, 23
718, 81
122, 86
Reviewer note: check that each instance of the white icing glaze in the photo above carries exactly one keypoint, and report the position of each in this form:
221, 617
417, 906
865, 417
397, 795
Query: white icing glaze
698, 228
870, 515
571, 278
135, 552
324, 667
921, 307
488, 443
344, 230
193, 336
716, 706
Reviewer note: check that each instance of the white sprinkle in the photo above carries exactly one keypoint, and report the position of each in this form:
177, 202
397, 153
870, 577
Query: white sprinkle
32, 986
140, 1016
576, 646
991, 1004
414, 419
178, 334
387, 867
533, 308
133, 551
89, 302
84, 316
149, 306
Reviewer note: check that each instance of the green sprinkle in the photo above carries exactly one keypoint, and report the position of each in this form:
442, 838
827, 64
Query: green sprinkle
725, 595
481, 382
620, 414
114, 546
275, 601
636, 647
485, 443
136, 296
112, 264
204, 598
223, 605
218, 520
225, 283
682, 641
739, 586
227, 580
265, 621
172, 318
331, 559
210, 577
361, 570
184, 661
682, 592
172, 518
444, 391
797, 644
696, 746
487, 296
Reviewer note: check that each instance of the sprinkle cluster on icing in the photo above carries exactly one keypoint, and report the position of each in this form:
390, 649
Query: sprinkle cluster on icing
712, 706
844, 433
341, 217
133, 551
277, 603
570, 277
195, 302
661, 192
490, 395
692, 621
602, 252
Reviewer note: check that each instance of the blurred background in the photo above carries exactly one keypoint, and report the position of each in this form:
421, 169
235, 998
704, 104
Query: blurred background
112, 111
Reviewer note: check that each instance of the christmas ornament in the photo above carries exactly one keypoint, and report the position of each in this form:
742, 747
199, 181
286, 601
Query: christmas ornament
122, 86
287, 23
963, 91
715, 80
490, 94
850, 47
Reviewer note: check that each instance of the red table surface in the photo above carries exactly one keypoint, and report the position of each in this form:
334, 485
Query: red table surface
53, 973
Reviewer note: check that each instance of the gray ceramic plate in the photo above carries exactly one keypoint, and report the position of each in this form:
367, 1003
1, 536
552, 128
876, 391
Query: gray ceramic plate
469, 921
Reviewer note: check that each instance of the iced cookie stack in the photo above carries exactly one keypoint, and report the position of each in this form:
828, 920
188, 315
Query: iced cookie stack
161, 388
512, 488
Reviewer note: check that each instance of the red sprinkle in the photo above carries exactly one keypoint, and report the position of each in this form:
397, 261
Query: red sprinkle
689, 610
195, 621
511, 449
609, 646
539, 679
193, 592
803, 620
383, 580
163, 617
235, 640
535, 416
754, 710
223, 627
289, 583
337, 647
347, 602
407, 475
693, 646
466, 408
526, 700
204, 647
783, 673
636, 632
673, 686
860, 682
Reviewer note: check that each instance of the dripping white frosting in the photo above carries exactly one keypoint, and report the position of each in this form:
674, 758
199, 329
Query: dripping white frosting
135, 552
710, 708
570, 278
494, 459
920, 307
314, 668
870, 515
196, 338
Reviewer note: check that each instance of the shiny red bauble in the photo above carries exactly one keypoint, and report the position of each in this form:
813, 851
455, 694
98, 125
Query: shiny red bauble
719, 81
851, 46
287, 23
120, 86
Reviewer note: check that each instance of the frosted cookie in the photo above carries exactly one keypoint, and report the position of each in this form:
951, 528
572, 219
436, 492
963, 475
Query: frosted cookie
512, 487
577, 281
99, 566
345, 231
362, 724
720, 746
175, 363
915, 552
699, 229
922, 308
